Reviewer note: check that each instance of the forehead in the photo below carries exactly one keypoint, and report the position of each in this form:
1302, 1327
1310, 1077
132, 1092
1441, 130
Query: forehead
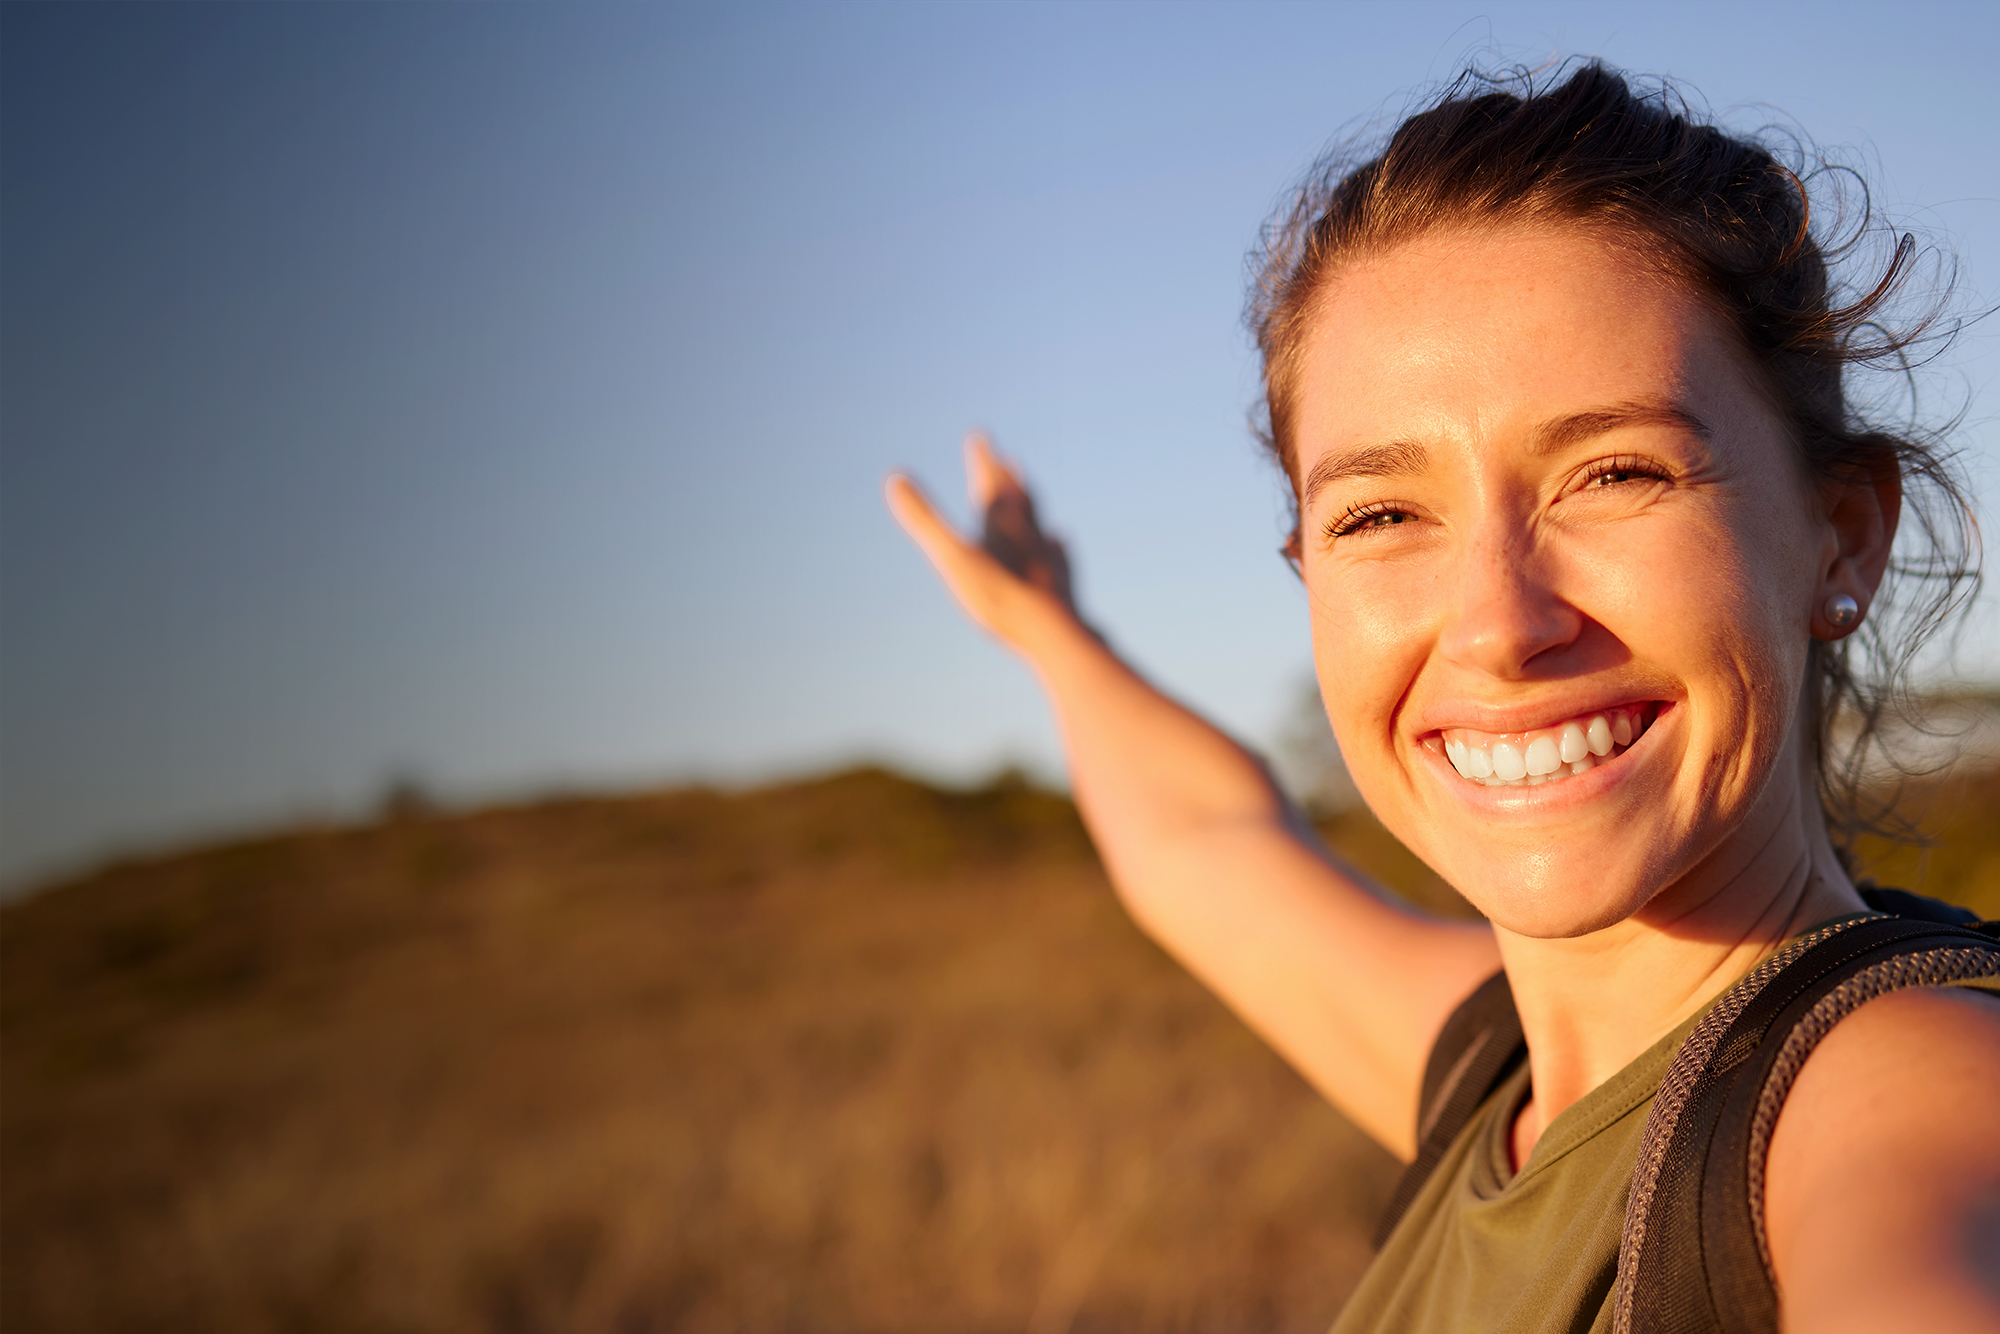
1476, 334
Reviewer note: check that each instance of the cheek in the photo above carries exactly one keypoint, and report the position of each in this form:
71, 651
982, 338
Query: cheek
1720, 605
1770, 629
1369, 644
1764, 576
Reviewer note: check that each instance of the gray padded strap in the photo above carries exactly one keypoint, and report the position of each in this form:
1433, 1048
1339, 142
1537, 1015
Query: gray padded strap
1929, 968
1675, 1090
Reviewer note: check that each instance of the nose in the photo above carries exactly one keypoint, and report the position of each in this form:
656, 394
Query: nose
1505, 617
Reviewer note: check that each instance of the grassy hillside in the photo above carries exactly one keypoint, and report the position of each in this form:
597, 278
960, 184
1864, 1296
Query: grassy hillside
844, 1055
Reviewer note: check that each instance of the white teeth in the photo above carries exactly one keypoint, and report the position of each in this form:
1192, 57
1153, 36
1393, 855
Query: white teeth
1554, 753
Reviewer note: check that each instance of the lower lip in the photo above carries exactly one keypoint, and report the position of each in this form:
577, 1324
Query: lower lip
1591, 783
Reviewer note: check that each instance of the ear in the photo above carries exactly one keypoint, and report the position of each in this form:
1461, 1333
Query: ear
1861, 517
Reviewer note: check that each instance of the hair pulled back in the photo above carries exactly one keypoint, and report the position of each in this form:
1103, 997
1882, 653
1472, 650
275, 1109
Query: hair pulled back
1723, 214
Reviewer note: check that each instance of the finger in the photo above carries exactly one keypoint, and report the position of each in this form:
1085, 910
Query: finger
926, 527
974, 578
986, 476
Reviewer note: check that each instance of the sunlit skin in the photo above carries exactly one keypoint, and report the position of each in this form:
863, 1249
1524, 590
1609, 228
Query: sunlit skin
1572, 495
1528, 555
1539, 479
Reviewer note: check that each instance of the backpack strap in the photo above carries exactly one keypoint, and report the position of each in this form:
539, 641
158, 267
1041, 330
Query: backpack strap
1478, 1048
1693, 1255
1917, 908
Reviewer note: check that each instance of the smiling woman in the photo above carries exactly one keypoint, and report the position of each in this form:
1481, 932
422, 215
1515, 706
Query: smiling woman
1562, 558
1586, 522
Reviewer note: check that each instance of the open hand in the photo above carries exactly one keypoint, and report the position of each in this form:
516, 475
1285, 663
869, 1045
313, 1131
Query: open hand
1017, 574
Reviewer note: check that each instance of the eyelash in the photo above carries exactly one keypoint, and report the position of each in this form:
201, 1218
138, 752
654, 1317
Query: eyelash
1627, 467
1358, 518
1624, 468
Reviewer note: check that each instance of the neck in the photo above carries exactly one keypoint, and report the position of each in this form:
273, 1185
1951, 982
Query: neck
1591, 1004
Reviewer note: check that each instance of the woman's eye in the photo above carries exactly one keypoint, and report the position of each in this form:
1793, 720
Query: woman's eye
1617, 472
1364, 517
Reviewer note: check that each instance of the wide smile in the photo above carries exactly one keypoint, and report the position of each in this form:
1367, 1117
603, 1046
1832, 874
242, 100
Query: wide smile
1551, 754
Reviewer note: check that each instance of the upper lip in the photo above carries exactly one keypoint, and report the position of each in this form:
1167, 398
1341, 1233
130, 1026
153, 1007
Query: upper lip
1527, 716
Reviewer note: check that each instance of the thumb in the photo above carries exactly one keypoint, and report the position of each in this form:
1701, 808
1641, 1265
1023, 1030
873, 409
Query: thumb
918, 518
967, 570
982, 586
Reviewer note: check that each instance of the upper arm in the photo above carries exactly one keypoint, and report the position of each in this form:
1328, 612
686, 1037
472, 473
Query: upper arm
1882, 1186
1350, 988
1204, 850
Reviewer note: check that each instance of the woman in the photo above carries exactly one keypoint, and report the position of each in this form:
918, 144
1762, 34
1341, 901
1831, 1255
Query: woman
1584, 520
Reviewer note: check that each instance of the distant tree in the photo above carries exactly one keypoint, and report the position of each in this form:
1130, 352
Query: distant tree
404, 797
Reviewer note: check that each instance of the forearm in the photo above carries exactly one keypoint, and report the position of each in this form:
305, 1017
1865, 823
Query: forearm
1347, 982
1213, 862
1149, 774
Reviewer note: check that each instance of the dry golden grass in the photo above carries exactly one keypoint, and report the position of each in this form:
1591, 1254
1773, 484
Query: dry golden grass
855, 1054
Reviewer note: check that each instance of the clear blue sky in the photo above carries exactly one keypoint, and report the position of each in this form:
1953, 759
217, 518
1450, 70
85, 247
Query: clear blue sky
499, 394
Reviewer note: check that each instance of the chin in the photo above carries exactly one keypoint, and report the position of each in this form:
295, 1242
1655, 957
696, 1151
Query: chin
1552, 910
1555, 920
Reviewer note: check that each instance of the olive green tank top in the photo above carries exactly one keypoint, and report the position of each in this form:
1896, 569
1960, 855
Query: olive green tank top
1483, 1250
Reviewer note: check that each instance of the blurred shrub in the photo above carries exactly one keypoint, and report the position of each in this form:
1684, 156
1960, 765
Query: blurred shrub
855, 1052
852, 1053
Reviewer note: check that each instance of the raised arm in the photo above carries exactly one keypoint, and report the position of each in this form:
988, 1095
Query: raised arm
1348, 984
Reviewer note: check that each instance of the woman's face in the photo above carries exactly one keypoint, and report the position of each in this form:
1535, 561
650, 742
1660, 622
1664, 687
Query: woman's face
1562, 567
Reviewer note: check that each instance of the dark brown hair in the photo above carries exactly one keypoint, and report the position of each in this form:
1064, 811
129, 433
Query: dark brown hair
1724, 214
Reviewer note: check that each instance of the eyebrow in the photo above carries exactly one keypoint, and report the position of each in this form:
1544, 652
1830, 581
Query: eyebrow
1403, 457
1559, 433
1397, 459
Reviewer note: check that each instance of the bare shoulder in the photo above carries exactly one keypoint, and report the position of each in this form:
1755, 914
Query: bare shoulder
1882, 1188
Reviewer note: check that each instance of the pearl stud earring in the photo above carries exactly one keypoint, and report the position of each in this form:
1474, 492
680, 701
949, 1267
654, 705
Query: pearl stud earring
1842, 611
